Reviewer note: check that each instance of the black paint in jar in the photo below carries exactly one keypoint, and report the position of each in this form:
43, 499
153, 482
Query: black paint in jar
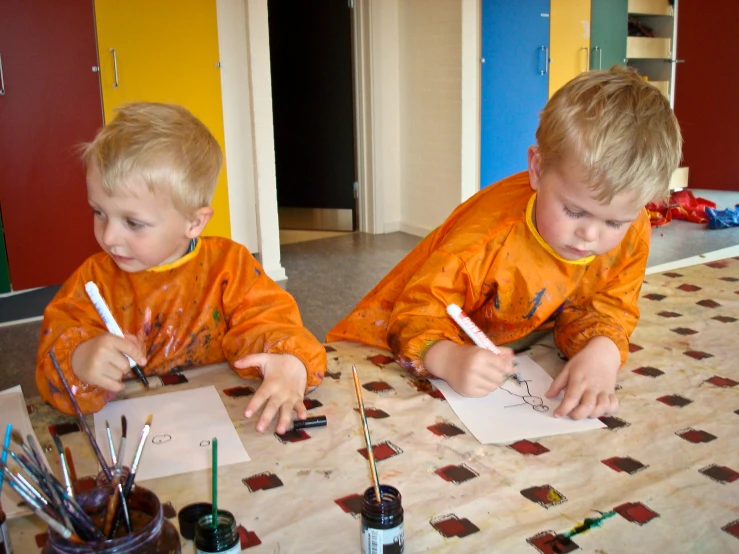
382, 522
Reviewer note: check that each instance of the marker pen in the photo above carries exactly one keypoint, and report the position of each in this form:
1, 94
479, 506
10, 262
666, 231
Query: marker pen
111, 324
318, 421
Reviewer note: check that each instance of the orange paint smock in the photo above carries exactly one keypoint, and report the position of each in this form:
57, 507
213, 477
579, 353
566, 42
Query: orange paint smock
214, 304
488, 258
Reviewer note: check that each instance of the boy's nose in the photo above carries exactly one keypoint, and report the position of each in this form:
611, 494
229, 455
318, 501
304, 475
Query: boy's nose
110, 235
588, 233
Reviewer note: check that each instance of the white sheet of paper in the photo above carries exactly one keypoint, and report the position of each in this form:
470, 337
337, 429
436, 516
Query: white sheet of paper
13, 410
515, 411
183, 424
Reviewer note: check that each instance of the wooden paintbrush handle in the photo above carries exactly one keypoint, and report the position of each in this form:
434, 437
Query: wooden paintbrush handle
112, 505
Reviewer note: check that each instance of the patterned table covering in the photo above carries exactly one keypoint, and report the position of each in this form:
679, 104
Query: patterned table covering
661, 478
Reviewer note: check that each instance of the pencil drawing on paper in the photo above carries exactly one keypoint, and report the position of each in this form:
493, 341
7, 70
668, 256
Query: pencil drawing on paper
161, 439
536, 402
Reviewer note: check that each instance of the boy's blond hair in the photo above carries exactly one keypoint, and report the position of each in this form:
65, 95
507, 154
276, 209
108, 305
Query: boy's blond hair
164, 145
620, 128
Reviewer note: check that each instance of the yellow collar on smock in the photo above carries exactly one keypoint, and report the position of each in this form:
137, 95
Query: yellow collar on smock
544, 245
179, 261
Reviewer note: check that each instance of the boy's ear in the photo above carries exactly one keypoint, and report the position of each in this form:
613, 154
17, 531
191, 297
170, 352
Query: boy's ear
534, 167
198, 221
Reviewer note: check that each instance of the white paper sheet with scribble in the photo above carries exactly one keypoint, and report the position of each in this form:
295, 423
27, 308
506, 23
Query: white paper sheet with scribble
183, 425
515, 411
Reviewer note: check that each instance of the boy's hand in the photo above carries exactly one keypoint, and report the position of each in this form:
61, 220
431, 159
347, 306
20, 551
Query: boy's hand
589, 380
469, 370
100, 360
282, 389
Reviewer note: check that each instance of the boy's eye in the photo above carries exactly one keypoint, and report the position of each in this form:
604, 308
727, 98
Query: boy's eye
133, 224
96, 212
614, 224
572, 214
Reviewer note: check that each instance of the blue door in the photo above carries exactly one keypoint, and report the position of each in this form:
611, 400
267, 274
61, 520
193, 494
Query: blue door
514, 83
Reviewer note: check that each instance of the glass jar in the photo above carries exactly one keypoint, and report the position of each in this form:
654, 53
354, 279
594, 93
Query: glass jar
152, 534
382, 522
222, 538
5, 546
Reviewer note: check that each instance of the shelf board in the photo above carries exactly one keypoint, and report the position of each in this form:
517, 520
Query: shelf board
648, 48
650, 7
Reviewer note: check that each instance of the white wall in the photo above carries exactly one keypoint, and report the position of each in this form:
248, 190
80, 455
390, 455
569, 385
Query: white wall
418, 102
430, 44
243, 40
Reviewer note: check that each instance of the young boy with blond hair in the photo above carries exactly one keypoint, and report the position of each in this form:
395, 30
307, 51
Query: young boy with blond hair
185, 300
562, 246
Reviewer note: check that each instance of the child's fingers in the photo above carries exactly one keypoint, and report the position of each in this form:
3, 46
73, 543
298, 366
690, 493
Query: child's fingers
286, 413
300, 410
140, 358
252, 360
559, 383
268, 414
586, 407
259, 398
573, 394
130, 349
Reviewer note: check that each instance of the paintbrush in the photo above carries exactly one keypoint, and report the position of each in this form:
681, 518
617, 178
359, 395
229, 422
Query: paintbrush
37, 508
116, 496
6, 446
134, 465
70, 465
31, 460
48, 479
137, 456
370, 454
214, 473
111, 447
81, 519
122, 444
81, 417
119, 467
63, 461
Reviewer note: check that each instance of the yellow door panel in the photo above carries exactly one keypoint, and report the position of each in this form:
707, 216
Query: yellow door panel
569, 30
165, 51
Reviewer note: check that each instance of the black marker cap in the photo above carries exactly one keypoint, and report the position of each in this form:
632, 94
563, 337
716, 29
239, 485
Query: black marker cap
318, 421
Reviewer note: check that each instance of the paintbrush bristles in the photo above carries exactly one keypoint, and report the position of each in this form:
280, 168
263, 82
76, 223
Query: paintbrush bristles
367, 440
149, 419
124, 426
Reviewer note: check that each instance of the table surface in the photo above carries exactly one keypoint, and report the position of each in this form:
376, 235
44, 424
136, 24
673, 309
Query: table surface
664, 473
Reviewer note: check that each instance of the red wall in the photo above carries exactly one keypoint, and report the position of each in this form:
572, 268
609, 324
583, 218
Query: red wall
707, 91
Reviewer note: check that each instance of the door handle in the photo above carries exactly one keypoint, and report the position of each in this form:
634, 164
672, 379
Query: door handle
2, 78
587, 57
115, 68
545, 49
600, 56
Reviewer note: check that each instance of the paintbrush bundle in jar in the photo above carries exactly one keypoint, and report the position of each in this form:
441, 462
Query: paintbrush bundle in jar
114, 518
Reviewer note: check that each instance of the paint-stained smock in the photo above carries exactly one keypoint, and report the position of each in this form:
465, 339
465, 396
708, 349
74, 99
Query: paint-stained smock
488, 258
212, 305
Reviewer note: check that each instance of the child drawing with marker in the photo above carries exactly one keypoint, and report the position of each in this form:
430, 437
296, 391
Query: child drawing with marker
562, 246
182, 299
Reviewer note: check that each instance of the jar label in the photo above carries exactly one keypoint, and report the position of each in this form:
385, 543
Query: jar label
382, 541
5, 547
235, 549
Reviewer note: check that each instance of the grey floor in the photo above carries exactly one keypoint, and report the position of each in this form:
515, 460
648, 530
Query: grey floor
328, 277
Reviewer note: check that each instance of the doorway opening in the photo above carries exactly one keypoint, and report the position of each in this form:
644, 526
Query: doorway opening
311, 62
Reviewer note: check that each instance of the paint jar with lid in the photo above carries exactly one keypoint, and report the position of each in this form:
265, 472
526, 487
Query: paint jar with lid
382, 522
221, 538
5, 546
151, 534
